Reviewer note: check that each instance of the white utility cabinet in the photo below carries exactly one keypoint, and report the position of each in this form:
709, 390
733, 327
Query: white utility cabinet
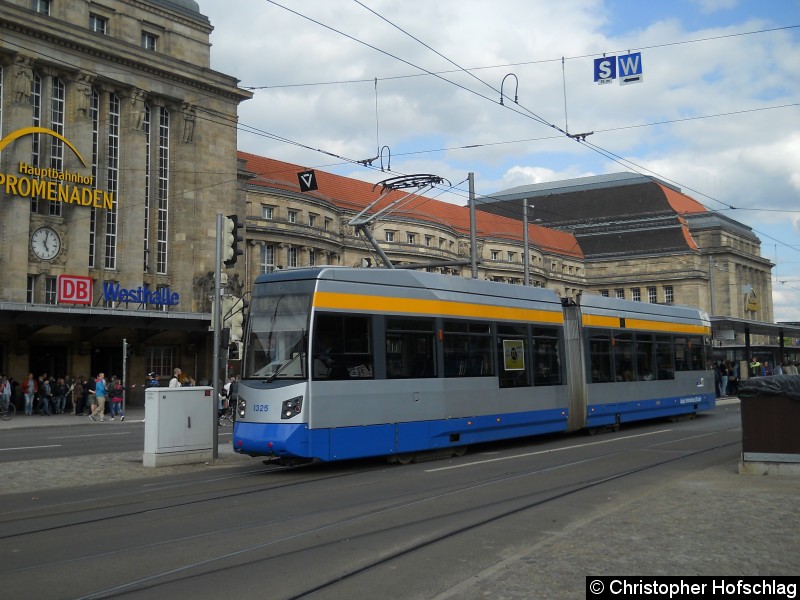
179, 425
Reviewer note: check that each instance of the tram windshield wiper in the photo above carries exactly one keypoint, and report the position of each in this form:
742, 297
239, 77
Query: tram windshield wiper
281, 369
296, 356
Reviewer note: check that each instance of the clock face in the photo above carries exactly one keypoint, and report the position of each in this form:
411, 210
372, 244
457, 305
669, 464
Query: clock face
45, 243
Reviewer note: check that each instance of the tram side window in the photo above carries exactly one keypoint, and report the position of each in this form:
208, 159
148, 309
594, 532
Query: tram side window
696, 355
600, 356
410, 348
665, 368
342, 348
467, 349
645, 360
512, 348
623, 357
682, 357
546, 356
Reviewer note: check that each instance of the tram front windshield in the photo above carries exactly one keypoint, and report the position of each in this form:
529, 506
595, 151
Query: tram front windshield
277, 340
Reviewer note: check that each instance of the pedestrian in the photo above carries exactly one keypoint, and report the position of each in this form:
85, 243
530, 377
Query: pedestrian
115, 394
45, 395
60, 395
90, 399
152, 380
70, 394
717, 380
175, 382
81, 394
5, 392
224, 398
723, 380
29, 388
733, 379
755, 367
99, 398
230, 386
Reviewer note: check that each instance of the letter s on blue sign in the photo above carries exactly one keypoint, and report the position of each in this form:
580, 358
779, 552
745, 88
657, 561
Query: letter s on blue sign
605, 69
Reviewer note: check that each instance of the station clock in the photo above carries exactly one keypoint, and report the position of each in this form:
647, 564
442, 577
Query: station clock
45, 243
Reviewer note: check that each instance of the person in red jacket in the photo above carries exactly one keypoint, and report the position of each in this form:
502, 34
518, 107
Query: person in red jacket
30, 388
115, 395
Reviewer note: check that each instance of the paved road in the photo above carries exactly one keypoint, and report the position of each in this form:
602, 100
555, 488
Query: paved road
40, 453
508, 521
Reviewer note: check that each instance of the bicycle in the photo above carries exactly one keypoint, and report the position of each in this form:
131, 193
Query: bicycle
8, 412
226, 415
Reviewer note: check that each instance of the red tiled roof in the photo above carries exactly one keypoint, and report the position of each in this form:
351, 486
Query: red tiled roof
687, 235
681, 203
355, 195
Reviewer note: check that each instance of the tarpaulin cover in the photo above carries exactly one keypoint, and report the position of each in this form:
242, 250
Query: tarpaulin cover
788, 385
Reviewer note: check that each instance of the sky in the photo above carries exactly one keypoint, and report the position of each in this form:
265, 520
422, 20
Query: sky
418, 85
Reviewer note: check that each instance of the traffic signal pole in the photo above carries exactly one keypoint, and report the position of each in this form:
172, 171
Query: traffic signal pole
217, 320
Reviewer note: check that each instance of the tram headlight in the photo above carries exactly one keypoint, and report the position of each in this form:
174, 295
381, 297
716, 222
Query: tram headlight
241, 407
291, 408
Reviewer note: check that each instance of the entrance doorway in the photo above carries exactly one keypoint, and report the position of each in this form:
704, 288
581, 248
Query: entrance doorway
48, 359
107, 359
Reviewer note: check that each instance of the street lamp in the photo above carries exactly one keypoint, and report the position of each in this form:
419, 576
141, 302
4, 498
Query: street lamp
525, 250
526, 269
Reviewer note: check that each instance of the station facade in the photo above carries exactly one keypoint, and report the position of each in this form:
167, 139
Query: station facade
118, 148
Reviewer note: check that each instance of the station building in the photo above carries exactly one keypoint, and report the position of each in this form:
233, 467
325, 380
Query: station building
118, 148
621, 235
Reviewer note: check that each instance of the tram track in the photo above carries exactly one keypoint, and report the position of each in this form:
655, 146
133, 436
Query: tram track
35, 513
528, 501
54, 511
484, 522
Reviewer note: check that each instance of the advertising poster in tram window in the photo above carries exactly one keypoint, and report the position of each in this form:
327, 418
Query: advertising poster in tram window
514, 355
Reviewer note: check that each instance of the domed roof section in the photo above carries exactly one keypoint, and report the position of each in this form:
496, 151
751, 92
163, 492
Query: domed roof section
187, 4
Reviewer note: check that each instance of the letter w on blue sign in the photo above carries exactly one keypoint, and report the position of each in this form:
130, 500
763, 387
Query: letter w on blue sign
630, 68
605, 69
308, 181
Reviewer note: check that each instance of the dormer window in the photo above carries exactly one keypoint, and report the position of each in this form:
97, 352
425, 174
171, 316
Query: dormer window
149, 41
42, 6
98, 24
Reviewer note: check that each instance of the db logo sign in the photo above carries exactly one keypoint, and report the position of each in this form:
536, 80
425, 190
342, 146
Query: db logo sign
74, 289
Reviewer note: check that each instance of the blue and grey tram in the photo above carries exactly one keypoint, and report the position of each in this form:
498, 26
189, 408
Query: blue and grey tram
344, 363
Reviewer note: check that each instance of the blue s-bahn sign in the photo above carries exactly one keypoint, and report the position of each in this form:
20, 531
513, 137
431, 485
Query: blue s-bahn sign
627, 67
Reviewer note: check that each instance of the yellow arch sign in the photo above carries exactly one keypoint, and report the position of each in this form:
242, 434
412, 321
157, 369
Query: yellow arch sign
14, 135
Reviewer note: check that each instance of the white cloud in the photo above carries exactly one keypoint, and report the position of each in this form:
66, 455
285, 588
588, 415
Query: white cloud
748, 159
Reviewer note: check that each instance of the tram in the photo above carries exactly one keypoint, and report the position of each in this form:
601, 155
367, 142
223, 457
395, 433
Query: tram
344, 363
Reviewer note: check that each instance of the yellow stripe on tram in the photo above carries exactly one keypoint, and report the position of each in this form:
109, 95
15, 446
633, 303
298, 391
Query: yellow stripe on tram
600, 321
645, 325
445, 308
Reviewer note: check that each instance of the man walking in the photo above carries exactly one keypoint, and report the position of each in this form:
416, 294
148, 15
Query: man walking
100, 398
175, 382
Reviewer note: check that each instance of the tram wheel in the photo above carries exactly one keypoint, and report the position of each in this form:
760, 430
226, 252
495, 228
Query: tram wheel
405, 459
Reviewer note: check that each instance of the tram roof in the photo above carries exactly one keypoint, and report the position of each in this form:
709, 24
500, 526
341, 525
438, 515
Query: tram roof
413, 279
619, 305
